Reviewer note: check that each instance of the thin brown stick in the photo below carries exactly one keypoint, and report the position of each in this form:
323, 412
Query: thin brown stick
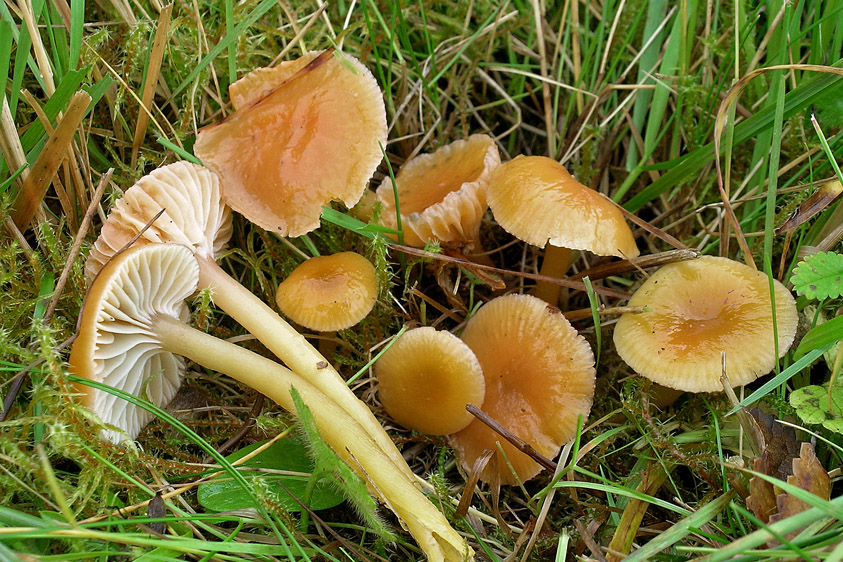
516, 441
577, 285
77, 244
653, 260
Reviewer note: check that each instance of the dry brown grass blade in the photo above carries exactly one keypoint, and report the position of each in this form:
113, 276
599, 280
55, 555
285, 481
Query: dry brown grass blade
156, 56
10, 141
578, 285
634, 512
635, 264
47, 164
819, 200
720, 124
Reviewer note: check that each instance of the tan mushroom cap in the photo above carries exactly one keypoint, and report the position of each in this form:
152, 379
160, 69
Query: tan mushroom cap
194, 214
117, 345
329, 293
539, 379
701, 308
535, 199
304, 133
425, 380
442, 195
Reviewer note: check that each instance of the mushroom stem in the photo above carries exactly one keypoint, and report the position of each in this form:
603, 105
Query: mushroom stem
555, 264
395, 488
294, 350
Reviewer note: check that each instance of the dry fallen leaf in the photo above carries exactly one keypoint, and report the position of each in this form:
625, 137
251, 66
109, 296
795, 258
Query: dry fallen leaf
809, 475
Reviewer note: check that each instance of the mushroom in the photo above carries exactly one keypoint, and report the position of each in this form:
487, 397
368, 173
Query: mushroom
539, 379
329, 293
700, 309
193, 215
303, 134
535, 199
426, 379
131, 325
442, 195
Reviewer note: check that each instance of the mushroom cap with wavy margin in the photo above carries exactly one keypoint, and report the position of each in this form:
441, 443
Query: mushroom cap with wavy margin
303, 134
699, 309
442, 195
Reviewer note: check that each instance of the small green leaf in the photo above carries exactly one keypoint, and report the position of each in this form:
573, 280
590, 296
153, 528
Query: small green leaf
819, 276
289, 455
820, 336
811, 405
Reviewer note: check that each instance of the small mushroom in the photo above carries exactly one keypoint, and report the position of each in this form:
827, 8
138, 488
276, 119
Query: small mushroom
303, 134
131, 325
442, 195
194, 215
539, 379
535, 199
329, 293
700, 309
426, 379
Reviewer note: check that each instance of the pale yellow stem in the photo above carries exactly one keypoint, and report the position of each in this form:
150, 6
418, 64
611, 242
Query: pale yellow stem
555, 264
349, 441
294, 350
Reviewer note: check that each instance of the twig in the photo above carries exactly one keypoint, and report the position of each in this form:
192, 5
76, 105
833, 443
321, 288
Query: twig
577, 285
516, 441
77, 244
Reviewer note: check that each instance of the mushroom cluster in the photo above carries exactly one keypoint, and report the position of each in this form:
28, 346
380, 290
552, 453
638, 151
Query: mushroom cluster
312, 131
276, 184
519, 359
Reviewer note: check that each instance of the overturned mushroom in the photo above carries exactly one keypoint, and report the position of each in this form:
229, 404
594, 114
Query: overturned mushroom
133, 313
193, 215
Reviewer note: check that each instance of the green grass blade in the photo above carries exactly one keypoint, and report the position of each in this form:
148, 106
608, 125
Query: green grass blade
681, 529
263, 7
77, 21
687, 167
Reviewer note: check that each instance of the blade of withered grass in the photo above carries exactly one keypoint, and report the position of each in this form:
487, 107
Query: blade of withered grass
46, 165
26, 12
578, 285
153, 71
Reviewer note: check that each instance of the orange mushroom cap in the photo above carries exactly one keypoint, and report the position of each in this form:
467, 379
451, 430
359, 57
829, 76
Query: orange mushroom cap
442, 195
535, 199
425, 380
329, 293
304, 133
539, 379
700, 309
